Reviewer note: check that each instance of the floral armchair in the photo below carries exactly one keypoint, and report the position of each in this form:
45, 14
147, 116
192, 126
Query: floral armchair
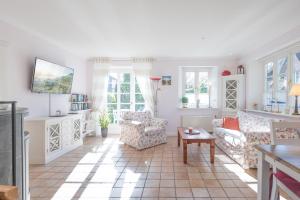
140, 130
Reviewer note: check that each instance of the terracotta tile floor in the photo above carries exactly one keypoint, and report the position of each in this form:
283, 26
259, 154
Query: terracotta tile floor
108, 169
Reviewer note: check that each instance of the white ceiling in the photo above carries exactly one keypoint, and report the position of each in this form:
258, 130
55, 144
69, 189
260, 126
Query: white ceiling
159, 28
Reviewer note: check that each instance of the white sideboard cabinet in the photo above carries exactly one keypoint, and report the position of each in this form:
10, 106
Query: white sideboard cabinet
51, 137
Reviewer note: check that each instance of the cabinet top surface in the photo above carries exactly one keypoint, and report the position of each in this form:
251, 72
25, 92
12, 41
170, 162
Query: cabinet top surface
45, 118
19, 110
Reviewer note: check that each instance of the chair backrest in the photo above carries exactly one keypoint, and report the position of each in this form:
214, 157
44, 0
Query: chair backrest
141, 116
284, 125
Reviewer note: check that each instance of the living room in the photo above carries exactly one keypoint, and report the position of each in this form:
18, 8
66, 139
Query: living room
149, 79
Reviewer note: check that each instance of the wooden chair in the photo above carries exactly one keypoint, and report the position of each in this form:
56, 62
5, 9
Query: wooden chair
280, 179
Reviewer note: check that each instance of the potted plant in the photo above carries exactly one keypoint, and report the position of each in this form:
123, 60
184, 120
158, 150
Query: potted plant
104, 122
184, 101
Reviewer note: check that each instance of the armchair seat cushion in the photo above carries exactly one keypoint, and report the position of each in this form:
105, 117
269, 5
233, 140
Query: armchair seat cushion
152, 130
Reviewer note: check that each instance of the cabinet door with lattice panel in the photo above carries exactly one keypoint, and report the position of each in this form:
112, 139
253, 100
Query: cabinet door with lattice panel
54, 137
76, 129
231, 87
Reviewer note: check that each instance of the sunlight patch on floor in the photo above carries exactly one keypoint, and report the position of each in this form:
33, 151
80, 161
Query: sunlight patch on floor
66, 191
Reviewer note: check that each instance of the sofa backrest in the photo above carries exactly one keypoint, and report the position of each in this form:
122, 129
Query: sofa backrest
140, 116
253, 123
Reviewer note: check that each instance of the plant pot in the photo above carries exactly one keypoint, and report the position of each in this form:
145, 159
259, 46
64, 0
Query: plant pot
184, 105
104, 132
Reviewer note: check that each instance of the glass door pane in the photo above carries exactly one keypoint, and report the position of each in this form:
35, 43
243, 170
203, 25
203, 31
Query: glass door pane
282, 76
125, 91
112, 97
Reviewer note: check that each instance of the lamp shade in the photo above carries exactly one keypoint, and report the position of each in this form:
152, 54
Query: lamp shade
295, 90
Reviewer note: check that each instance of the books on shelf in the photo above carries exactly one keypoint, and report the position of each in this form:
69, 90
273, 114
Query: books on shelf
79, 102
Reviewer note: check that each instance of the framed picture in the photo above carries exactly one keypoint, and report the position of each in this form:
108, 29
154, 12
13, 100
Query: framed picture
166, 80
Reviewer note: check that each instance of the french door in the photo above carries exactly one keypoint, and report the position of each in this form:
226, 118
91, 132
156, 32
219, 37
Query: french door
123, 93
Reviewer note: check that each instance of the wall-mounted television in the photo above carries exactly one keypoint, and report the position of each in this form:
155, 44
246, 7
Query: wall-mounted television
51, 78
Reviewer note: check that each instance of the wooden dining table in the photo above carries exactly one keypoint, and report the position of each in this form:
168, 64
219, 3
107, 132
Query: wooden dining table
285, 157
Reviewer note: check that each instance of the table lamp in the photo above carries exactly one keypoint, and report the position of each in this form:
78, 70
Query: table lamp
295, 91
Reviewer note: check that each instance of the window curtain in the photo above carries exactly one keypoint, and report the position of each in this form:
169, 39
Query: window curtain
100, 81
142, 70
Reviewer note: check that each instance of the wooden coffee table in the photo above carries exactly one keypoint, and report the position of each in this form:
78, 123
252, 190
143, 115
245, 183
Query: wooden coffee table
203, 137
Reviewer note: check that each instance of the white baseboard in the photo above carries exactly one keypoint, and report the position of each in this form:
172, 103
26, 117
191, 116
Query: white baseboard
171, 133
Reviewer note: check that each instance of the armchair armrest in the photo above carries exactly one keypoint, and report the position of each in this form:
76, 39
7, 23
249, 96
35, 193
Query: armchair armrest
217, 123
162, 123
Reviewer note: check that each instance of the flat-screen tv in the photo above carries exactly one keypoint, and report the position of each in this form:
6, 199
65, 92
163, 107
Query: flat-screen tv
51, 78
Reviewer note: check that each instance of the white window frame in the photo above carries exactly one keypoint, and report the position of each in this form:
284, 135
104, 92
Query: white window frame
196, 70
288, 53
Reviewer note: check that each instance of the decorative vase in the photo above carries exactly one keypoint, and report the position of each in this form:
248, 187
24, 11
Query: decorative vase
104, 132
226, 73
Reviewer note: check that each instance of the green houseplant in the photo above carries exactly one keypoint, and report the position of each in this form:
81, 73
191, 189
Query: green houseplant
104, 122
184, 101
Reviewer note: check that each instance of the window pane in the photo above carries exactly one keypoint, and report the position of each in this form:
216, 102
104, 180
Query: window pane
139, 107
189, 88
112, 87
203, 89
297, 67
203, 82
268, 83
281, 92
125, 88
111, 98
139, 98
125, 98
282, 74
125, 106
125, 78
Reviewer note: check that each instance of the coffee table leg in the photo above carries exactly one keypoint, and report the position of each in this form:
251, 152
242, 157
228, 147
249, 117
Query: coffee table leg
212, 152
184, 151
178, 138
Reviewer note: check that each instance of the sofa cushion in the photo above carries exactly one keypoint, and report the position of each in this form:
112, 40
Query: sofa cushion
231, 123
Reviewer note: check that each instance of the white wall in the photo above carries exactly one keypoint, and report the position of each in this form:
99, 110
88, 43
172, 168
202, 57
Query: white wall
254, 84
19, 49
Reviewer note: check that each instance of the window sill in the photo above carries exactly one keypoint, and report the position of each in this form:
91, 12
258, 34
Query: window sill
203, 108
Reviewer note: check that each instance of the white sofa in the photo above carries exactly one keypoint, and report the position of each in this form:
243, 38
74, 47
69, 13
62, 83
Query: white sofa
239, 145
140, 130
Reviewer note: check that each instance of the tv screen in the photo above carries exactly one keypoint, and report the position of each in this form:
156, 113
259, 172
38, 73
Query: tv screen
51, 78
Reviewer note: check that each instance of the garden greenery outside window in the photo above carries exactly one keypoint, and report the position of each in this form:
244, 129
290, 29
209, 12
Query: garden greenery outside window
196, 86
123, 93
281, 72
